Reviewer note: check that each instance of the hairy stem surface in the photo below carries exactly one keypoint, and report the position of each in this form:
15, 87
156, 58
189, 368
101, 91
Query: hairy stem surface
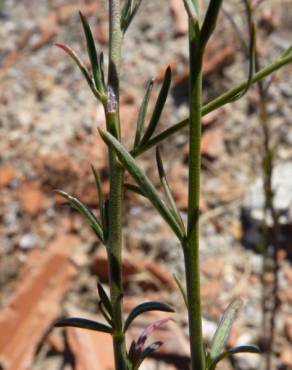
116, 187
191, 250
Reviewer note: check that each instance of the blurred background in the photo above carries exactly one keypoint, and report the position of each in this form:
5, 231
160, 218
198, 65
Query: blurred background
50, 259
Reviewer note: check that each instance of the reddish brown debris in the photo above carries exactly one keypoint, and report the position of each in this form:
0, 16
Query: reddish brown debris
179, 186
288, 327
100, 266
32, 199
217, 58
154, 274
36, 302
160, 273
208, 266
7, 174
286, 357
213, 142
210, 289
91, 347
180, 17
56, 342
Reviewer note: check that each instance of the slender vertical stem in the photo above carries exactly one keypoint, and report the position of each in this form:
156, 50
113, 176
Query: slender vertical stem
191, 250
114, 242
269, 310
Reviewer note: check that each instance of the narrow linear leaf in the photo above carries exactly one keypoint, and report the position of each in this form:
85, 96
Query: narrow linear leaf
222, 333
167, 191
125, 14
153, 347
191, 10
142, 180
142, 114
105, 299
131, 353
100, 195
105, 313
101, 66
77, 322
132, 15
181, 289
79, 206
149, 330
95, 65
234, 351
210, 21
286, 53
135, 189
136, 349
145, 307
158, 106
251, 51
220, 101
82, 68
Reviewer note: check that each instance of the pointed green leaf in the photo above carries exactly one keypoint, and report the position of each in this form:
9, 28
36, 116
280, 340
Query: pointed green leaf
181, 289
145, 307
286, 53
125, 14
158, 107
77, 322
105, 313
142, 114
210, 21
218, 102
153, 347
251, 51
82, 68
105, 299
95, 65
76, 204
130, 17
142, 180
101, 66
234, 351
191, 10
224, 327
166, 188
132, 350
134, 189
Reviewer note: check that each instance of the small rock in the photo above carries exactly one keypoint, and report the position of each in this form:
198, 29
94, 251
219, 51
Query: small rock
286, 357
208, 266
7, 174
288, 328
213, 141
209, 328
32, 199
27, 241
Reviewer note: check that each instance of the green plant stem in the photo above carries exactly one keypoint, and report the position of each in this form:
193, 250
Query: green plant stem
114, 242
191, 249
269, 298
215, 104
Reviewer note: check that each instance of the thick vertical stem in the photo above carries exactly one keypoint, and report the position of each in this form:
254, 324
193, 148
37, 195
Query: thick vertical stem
191, 250
116, 187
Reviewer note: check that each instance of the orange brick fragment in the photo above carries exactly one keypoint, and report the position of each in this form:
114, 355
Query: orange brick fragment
36, 303
91, 349
7, 174
32, 200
